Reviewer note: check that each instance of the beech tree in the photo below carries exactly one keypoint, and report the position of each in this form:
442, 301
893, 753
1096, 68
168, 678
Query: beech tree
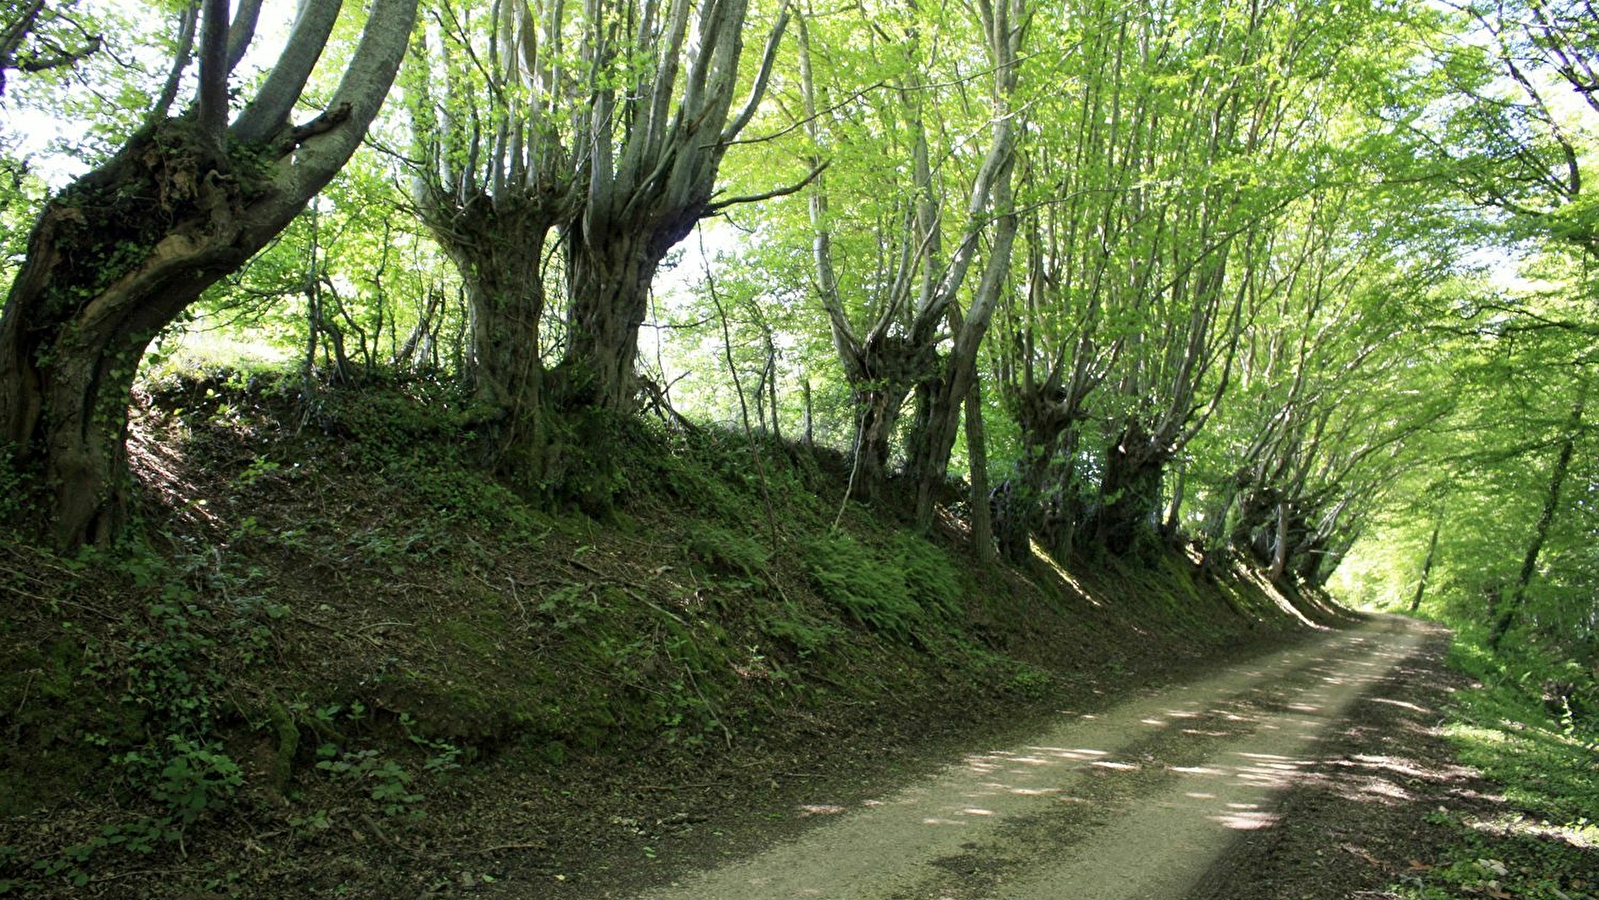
38, 37
1508, 121
188, 198
891, 306
602, 124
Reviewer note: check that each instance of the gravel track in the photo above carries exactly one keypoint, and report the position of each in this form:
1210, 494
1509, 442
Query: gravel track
1137, 801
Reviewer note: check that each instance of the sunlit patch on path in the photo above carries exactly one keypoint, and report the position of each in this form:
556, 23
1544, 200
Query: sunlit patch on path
1135, 801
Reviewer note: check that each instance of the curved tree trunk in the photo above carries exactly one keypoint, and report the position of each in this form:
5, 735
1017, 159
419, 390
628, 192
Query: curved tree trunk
123, 250
72, 333
76, 323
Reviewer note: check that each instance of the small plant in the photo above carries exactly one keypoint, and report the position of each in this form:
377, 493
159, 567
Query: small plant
188, 780
13, 486
387, 782
864, 585
929, 576
805, 633
258, 469
722, 552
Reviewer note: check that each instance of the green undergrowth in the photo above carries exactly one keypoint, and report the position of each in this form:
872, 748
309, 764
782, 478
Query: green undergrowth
334, 622
1541, 747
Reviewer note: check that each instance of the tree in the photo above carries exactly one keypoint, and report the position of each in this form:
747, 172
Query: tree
123, 250
36, 37
604, 124
906, 291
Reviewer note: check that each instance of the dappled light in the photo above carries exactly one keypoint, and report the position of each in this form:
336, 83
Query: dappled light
1246, 819
1124, 782
753, 450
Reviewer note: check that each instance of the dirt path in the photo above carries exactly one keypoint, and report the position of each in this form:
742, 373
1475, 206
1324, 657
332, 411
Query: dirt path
1140, 800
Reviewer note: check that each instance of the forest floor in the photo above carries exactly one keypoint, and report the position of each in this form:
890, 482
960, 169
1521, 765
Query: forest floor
1315, 771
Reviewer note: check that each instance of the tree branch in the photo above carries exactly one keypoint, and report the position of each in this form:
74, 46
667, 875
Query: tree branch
795, 188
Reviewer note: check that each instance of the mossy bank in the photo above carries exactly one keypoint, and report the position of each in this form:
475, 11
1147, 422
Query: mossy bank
342, 662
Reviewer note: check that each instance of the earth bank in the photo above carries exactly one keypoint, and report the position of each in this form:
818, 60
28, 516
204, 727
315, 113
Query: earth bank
346, 664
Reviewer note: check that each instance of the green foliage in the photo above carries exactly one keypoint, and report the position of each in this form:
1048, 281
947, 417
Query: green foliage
1547, 772
15, 487
930, 578
805, 633
721, 551
1523, 735
867, 584
192, 778
145, 701
387, 783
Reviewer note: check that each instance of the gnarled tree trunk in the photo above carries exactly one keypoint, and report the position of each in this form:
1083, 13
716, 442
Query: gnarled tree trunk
1130, 490
497, 246
610, 268
124, 249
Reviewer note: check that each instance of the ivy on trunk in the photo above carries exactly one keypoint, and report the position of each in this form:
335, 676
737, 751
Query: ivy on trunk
121, 252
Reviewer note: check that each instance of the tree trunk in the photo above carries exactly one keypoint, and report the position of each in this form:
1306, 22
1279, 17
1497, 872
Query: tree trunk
68, 418
809, 438
498, 247
609, 282
1279, 547
1043, 499
977, 452
1540, 531
102, 277
1426, 566
124, 249
507, 373
879, 412
1174, 513
1129, 491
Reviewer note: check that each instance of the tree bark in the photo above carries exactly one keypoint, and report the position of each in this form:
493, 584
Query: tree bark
1540, 531
611, 267
1044, 498
1130, 490
497, 245
1426, 565
123, 250
977, 453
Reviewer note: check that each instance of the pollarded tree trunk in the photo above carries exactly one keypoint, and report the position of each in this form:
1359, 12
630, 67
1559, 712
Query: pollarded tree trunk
611, 268
650, 151
879, 410
1044, 499
882, 371
497, 245
123, 250
1130, 490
